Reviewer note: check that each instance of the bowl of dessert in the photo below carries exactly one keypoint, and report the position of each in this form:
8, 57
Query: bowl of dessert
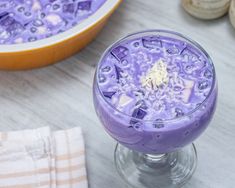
36, 33
155, 93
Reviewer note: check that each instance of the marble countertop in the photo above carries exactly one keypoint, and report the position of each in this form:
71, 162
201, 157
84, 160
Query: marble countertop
60, 96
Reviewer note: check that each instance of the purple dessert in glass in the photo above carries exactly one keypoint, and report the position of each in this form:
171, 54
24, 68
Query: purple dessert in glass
30, 20
155, 92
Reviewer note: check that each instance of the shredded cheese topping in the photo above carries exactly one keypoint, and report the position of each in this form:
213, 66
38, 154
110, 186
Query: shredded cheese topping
156, 76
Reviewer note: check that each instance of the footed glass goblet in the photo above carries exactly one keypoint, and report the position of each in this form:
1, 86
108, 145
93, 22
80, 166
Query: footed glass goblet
155, 92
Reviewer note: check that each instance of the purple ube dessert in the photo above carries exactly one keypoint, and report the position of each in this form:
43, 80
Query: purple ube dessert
30, 20
155, 93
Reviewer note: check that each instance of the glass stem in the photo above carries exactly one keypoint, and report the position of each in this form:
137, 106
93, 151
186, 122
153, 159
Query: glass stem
156, 159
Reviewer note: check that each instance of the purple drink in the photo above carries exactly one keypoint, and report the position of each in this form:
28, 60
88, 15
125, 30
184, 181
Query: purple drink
30, 20
155, 91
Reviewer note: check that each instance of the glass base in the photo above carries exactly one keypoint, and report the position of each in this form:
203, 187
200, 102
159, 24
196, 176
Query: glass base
171, 170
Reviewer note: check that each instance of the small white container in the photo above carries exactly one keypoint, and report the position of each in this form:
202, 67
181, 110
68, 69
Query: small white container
206, 9
232, 13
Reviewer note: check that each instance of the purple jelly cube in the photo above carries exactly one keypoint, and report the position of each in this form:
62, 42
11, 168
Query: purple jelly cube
203, 85
139, 93
3, 14
15, 28
109, 94
6, 21
158, 123
173, 47
118, 71
208, 74
139, 113
133, 122
151, 42
84, 5
69, 8
190, 52
120, 52
179, 112
141, 104
172, 50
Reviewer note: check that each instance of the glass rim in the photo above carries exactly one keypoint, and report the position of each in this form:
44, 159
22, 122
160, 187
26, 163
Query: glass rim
158, 31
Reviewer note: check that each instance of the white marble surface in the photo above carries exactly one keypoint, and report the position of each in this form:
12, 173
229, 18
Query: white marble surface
61, 95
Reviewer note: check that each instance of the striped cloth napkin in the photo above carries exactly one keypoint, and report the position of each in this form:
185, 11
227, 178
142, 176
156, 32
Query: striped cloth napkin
43, 159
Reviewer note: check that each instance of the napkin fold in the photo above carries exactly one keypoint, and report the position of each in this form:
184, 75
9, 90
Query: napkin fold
43, 159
